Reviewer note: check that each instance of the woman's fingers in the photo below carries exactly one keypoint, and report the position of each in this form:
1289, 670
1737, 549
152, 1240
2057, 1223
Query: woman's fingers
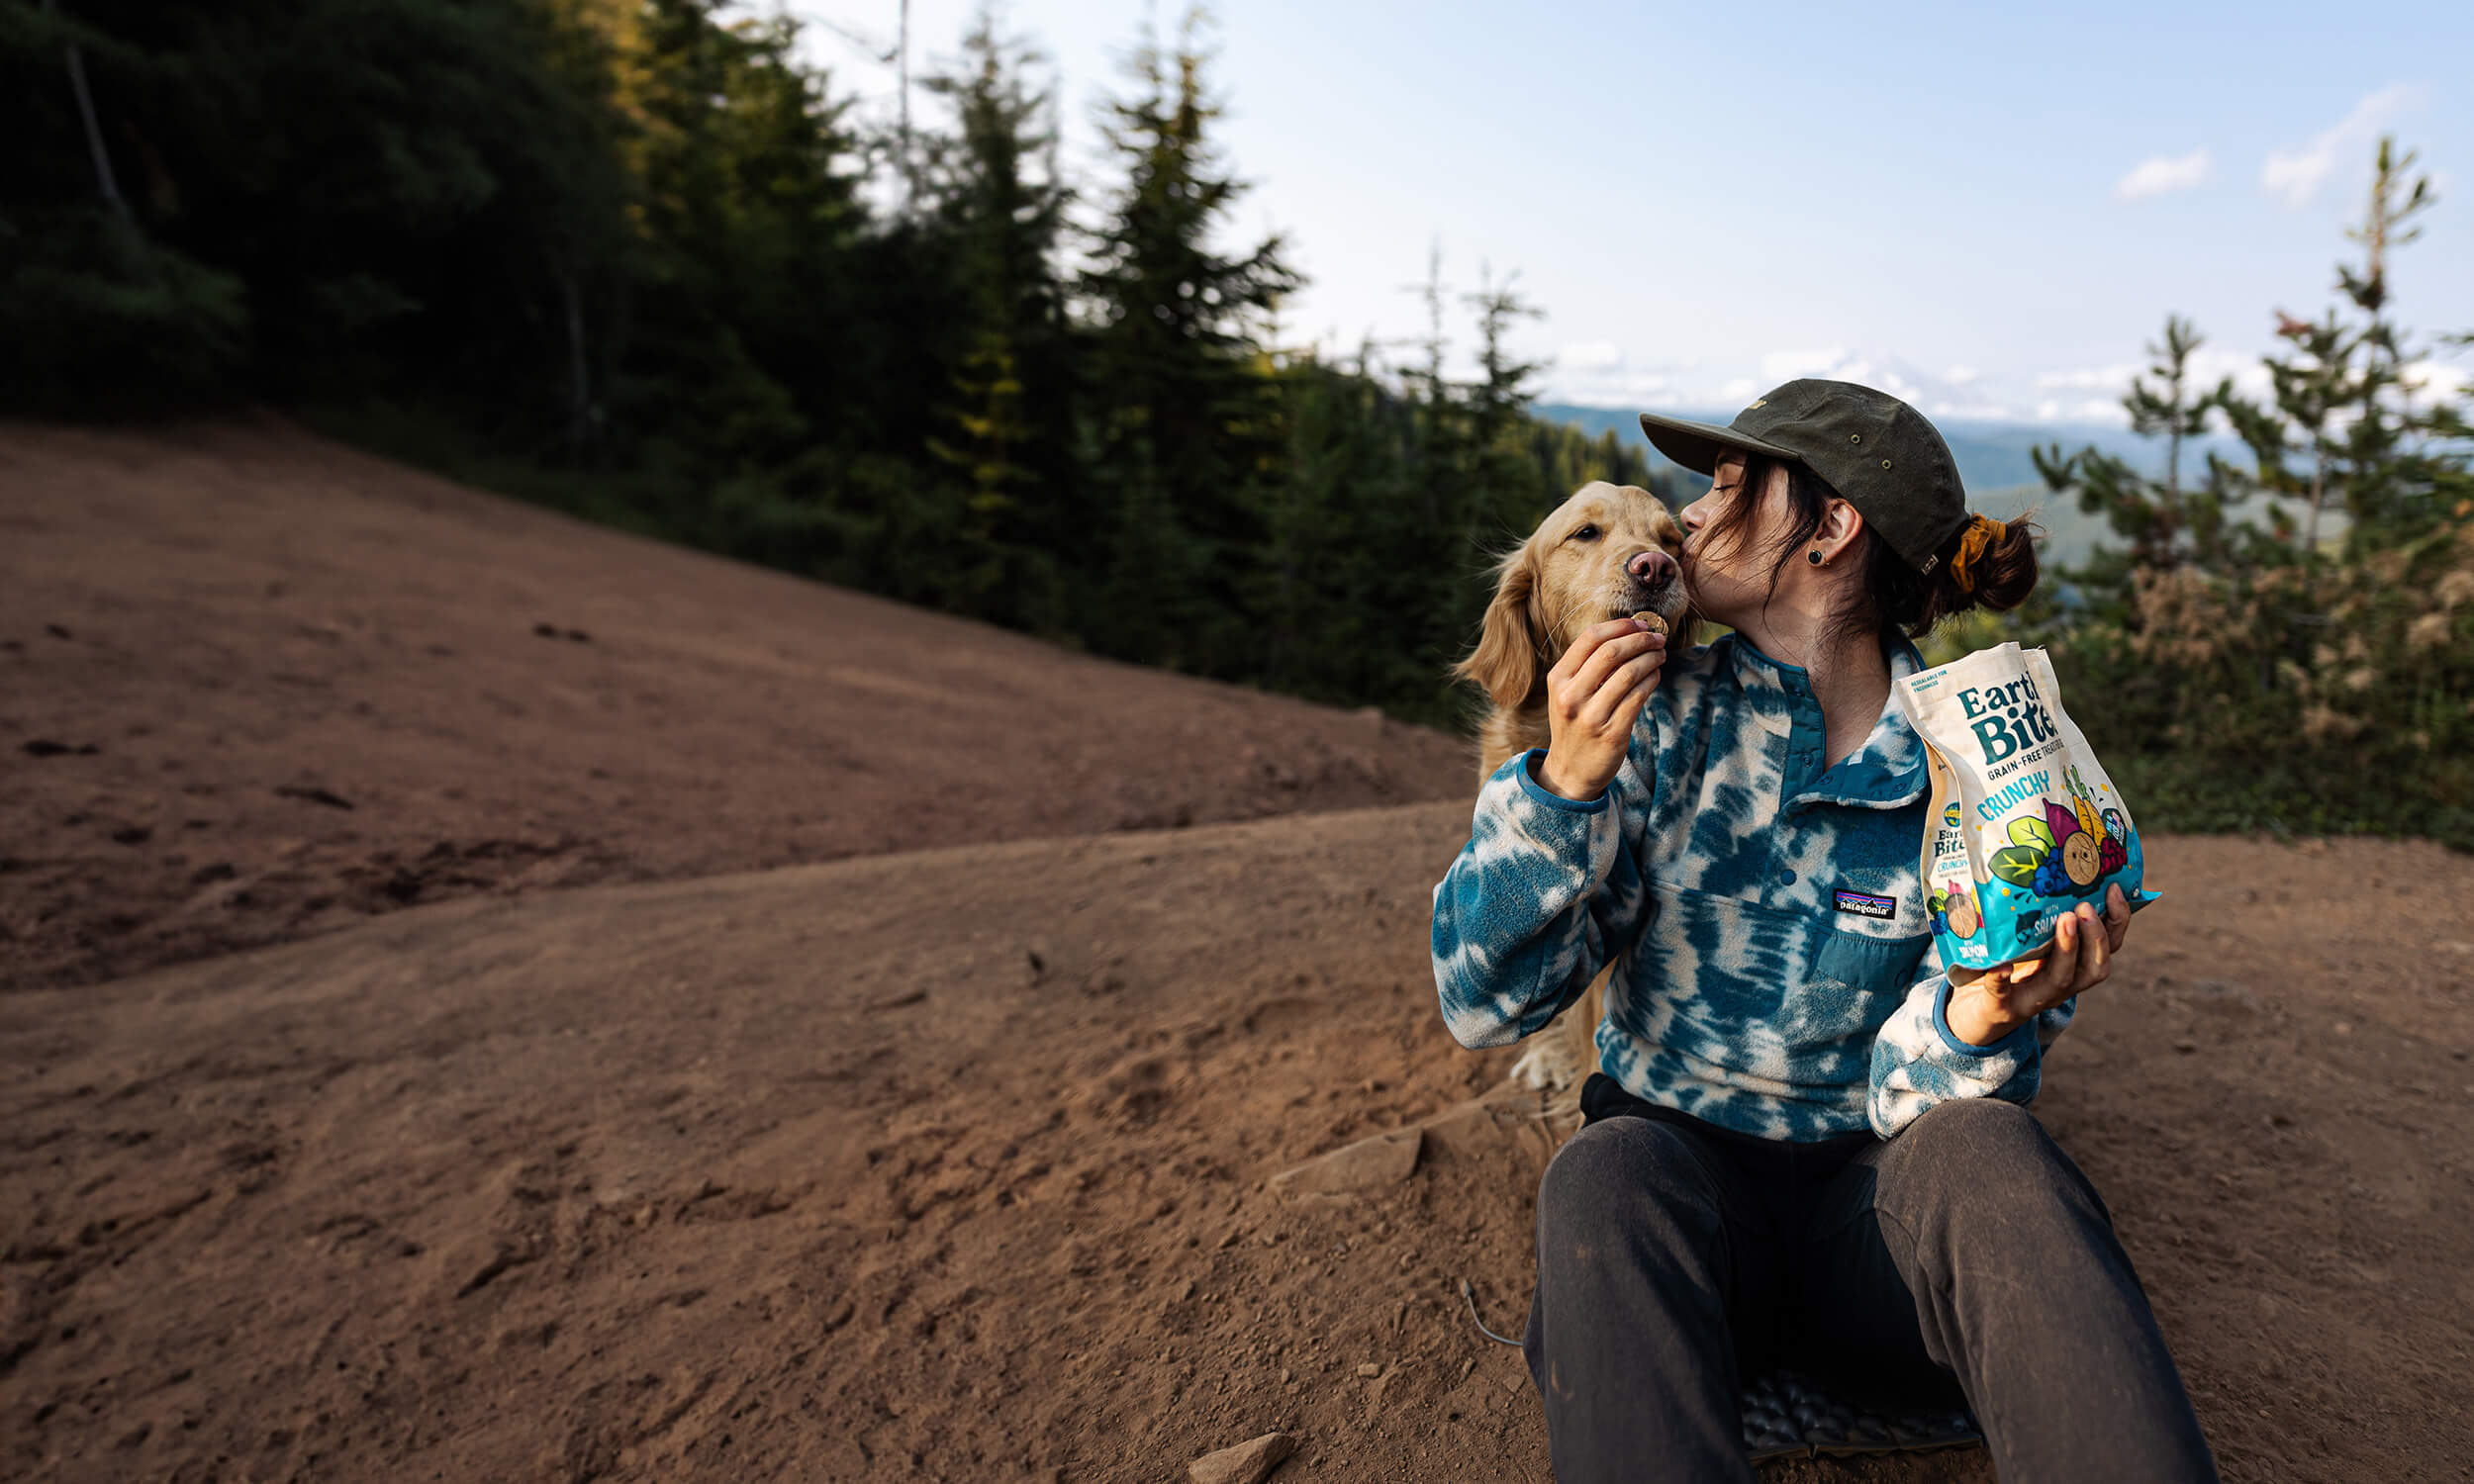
1587, 648
2117, 916
2080, 958
1592, 678
2095, 949
1608, 703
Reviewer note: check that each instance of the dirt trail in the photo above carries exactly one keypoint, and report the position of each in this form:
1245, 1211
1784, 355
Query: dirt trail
952, 1163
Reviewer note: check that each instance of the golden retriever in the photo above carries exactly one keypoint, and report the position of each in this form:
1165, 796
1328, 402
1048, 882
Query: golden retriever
1609, 551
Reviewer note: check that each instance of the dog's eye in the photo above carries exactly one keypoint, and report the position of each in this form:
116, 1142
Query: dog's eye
1585, 533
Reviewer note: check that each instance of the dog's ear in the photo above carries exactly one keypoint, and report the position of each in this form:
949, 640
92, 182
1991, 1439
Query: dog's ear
1508, 661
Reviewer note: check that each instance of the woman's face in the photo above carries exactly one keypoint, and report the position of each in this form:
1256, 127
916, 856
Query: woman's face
1729, 578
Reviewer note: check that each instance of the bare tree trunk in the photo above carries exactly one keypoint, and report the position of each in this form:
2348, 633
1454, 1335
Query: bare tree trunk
94, 132
579, 383
902, 48
2319, 484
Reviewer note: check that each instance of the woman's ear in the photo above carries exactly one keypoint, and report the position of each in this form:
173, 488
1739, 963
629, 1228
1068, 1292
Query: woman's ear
1506, 660
1840, 524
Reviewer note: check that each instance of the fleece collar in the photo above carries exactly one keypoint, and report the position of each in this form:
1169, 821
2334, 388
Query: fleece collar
1886, 773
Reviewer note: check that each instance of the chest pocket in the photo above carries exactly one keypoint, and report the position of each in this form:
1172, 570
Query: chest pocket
1866, 953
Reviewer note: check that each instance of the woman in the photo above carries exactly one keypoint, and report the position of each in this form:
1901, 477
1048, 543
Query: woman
1807, 1138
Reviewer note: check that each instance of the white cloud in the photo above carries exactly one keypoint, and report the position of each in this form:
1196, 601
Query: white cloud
2087, 410
2207, 365
1738, 389
1618, 388
2430, 381
2296, 174
1983, 412
1788, 365
1959, 376
2163, 175
1590, 355
2115, 378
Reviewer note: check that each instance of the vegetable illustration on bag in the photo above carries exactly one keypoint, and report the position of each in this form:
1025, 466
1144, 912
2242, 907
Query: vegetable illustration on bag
2025, 823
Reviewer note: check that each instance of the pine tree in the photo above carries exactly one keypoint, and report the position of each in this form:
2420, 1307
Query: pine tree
1007, 425
2343, 396
2164, 524
1179, 423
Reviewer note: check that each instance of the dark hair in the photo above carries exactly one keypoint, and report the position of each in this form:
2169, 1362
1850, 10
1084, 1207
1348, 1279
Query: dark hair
1895, 595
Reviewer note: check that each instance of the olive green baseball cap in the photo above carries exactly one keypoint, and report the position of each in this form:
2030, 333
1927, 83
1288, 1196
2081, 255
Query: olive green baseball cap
1877, 452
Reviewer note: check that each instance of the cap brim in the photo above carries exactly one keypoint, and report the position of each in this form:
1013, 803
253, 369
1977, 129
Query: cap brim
1698, 446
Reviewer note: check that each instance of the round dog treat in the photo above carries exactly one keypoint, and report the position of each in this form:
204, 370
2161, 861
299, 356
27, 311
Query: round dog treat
2079, 858
1963, 918
1655, 623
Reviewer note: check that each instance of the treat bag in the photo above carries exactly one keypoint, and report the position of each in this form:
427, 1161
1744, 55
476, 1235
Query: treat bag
2023, 824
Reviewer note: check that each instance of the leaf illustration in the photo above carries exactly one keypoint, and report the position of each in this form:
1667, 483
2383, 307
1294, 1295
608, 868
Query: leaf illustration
2017, 863
2087, 815
2031, 834
2065, 822
1941, 900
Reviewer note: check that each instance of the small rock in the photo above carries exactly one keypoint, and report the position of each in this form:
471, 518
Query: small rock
1369, 1369
44, 747
2186, 1047
1246, 1464
1366, 1165
2343, 1028
313, 796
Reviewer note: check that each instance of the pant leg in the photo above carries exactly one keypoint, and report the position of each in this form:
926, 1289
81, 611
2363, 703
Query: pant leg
1972, 1243
1646, 1259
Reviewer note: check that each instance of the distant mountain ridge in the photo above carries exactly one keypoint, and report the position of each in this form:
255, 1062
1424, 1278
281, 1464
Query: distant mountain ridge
1991, 455
1993, 462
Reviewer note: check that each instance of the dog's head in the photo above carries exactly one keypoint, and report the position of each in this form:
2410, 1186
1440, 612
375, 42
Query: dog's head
1609, 551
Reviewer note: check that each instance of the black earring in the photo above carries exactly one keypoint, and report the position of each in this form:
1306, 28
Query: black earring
1813, 556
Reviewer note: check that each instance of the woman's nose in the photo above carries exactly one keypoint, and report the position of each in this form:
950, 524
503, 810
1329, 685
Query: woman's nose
1652, 568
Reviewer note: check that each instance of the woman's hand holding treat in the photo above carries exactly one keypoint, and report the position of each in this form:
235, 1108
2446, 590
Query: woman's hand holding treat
1595, 693
1987, 1004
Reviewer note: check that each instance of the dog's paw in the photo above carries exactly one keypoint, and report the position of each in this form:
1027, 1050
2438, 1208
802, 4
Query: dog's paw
1542, 1068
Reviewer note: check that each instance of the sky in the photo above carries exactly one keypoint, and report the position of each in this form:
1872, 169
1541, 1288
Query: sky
1986, 209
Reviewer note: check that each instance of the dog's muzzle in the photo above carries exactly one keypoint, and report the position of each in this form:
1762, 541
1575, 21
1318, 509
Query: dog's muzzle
1657, 586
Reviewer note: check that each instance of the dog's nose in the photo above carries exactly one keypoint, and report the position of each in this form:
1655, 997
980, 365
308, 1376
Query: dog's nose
1652, 568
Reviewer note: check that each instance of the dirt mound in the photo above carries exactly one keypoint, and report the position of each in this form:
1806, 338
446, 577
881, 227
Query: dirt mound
947, 1163
255, 686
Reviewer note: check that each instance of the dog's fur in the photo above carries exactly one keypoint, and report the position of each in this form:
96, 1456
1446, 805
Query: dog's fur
1561, 581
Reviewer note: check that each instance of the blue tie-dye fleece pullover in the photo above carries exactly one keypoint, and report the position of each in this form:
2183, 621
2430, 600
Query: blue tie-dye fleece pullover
1774, 968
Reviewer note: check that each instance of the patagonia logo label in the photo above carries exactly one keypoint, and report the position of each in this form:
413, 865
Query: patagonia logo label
1865, 905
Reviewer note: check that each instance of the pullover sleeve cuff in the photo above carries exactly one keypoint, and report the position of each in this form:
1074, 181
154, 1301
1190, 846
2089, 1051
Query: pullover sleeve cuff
2018, 1041
1540, 793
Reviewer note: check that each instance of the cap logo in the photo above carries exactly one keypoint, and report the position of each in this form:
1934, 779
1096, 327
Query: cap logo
1763, 401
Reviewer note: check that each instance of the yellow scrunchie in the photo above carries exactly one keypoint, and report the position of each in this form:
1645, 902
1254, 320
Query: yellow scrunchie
1982, 531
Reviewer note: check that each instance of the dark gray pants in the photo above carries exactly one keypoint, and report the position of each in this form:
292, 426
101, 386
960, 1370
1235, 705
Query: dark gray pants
1675, 1259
